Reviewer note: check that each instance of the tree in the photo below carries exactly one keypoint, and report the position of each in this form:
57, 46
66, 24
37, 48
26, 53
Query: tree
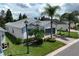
39, 34
2, 23
68, 17
24, 16
76, 20
20, 17
2, 16
9, 17
50, 11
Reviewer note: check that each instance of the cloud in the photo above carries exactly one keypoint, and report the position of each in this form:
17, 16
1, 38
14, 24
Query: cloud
34, 9
7, 7
69, 7
22, 5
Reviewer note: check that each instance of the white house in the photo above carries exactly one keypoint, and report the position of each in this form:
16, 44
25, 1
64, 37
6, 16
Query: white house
18, 28
57, 25
2, 39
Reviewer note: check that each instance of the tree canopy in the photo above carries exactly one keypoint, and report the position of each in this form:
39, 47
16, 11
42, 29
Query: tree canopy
9, 17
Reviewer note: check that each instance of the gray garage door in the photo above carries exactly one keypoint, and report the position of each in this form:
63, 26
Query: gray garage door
48, 31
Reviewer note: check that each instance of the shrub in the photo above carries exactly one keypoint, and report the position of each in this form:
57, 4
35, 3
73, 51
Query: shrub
38, 42
18, 41
50, 40
38, 33
13, 39
29, 40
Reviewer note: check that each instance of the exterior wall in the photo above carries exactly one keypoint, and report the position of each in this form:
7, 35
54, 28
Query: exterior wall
17, 32
63, 26
23, 32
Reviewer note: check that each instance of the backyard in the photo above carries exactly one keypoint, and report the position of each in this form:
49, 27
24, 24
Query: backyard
72, 34
21, 50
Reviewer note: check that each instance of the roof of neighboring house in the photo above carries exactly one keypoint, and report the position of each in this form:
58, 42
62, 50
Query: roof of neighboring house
54, 20
19, 24
58, 22
32, 23
1, 29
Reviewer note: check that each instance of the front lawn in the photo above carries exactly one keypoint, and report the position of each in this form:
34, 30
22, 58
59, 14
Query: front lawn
20, 50
72, 34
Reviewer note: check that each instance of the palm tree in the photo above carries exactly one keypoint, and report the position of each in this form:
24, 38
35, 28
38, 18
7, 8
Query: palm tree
68, 17
76, 20
50, 11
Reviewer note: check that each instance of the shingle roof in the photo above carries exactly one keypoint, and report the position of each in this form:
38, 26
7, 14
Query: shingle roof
54, 20
58, 22
19, 24
32, 22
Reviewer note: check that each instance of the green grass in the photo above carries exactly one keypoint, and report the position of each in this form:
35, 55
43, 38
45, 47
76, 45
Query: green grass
20, 50
72, 34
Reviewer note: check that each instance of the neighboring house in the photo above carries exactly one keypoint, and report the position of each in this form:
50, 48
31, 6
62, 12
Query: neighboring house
72, 25
57, 25
2, 39
18, 28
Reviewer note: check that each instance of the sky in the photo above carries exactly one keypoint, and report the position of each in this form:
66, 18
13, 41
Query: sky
34, 9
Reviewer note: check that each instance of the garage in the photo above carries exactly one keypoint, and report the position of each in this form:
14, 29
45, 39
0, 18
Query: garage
48, 31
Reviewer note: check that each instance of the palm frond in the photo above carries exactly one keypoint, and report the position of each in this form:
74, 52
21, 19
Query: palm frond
50, 10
